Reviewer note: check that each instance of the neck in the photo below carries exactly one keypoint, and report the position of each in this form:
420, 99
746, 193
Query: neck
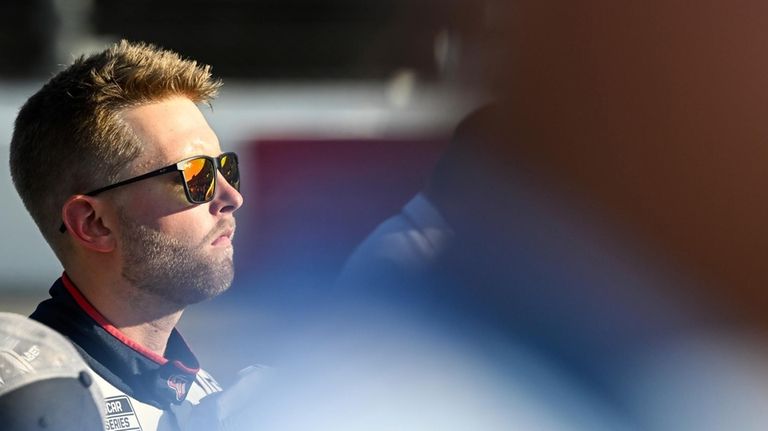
152, 334
141, 316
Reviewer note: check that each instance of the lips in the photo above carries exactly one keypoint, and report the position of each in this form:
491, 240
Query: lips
224, 237
222, 240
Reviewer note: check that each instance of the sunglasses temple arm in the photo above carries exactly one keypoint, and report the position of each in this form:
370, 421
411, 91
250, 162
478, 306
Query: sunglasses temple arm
160, 171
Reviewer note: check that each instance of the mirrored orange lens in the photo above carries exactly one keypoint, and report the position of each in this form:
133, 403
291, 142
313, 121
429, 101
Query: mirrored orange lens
198, 174
229, 169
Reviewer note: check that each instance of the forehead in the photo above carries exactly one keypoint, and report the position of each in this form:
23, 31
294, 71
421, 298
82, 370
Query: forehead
170, 130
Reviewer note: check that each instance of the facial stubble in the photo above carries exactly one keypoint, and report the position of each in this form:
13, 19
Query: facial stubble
172, 269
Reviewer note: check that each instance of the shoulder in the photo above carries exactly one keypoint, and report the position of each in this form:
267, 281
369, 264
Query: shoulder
410, 239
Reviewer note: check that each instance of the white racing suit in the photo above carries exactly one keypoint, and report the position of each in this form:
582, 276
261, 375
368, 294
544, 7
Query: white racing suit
142, 391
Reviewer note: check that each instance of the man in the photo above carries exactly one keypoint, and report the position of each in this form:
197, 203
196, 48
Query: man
493, 249
127, 183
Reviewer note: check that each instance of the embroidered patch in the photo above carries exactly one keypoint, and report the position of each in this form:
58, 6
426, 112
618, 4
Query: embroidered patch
178, 384
120, 415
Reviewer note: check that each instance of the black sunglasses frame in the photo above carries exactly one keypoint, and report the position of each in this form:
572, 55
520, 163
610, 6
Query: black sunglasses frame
176, 167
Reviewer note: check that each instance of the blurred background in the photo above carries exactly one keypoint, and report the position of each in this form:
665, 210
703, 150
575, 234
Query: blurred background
337, 109
323, 100
635, 144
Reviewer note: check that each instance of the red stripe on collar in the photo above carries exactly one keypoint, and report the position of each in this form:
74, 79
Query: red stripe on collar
89, 309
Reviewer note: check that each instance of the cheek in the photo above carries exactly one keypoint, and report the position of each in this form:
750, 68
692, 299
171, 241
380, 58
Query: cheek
151, 205
136, 207
163, 207
192, 224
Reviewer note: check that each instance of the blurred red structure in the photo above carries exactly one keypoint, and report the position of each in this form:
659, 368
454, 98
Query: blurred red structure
310, 202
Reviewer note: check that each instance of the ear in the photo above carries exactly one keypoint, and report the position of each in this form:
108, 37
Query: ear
83, 217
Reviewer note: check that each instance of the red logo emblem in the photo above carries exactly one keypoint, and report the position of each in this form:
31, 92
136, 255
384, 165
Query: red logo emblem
178, 384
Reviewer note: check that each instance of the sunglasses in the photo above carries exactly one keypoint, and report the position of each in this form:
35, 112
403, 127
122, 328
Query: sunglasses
198, 176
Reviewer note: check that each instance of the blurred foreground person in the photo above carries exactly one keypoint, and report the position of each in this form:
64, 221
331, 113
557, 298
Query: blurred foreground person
620, 231
127, 183
44, 383
494, 252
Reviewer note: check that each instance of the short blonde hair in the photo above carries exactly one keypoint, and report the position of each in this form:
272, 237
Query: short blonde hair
69, 137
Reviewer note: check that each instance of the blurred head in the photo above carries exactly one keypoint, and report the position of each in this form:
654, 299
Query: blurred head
469, 179
118, 114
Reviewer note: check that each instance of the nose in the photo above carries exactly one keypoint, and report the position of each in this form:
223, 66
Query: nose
227, 199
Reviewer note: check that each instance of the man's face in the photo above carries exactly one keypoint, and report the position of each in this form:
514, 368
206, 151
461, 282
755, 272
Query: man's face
177, 251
